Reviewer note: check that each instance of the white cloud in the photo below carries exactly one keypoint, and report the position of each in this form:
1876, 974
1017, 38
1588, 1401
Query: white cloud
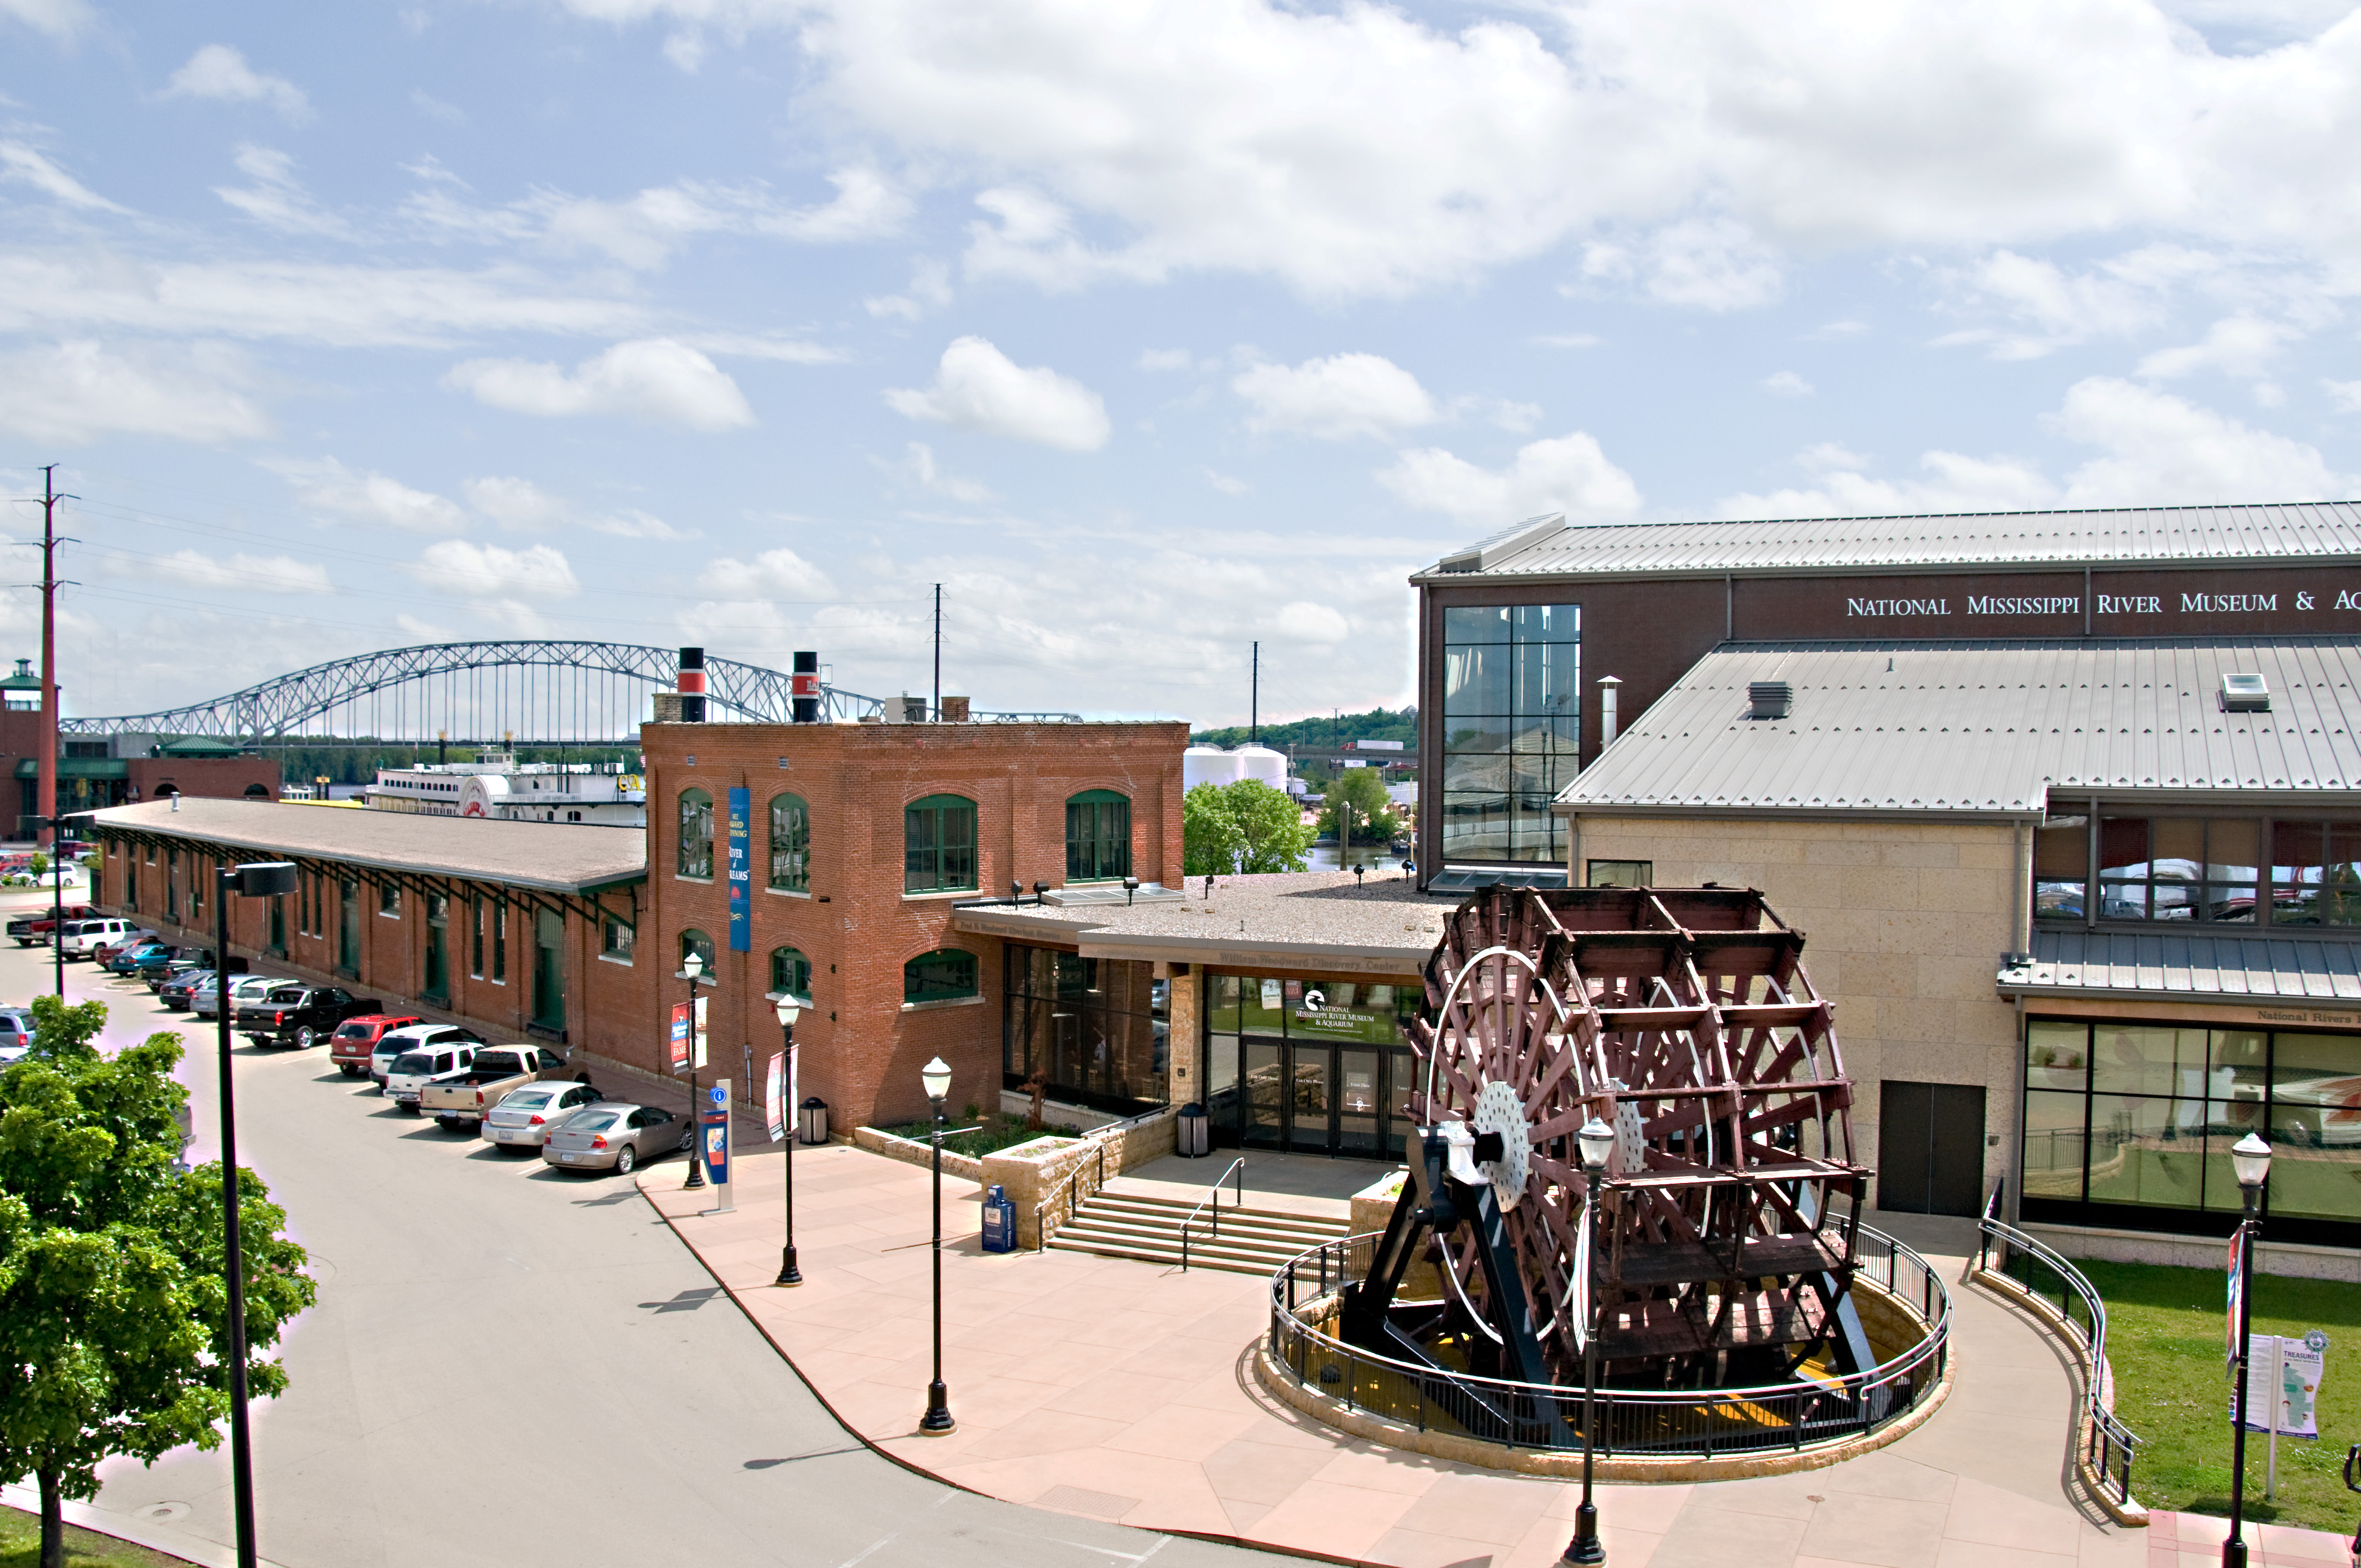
240, 574
2160, 449
435, 109
1786, 384
1713, 264
642, 231
78, 390
471, 571
522, 505
979, 387
1948, 482
1227, 483
24, 165
1304, 621
774, 575
919, 469
326, 487
61, 19
1335, 398
930, 289
275, 200
1566, 473
1568, 340
2344, 395
1159, 359
220, 72
657, 379
2240, 346
2052, 308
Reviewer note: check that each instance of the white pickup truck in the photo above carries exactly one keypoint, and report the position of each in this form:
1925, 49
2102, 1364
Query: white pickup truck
458, 1101
414, 1069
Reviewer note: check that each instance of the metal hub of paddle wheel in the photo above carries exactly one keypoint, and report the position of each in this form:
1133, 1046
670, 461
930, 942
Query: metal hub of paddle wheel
1683, 1020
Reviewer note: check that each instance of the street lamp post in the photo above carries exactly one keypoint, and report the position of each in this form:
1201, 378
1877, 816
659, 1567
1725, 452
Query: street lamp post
259, 879
936, 1076
2250, 1157
1596, 1140
787, 1009
691, 966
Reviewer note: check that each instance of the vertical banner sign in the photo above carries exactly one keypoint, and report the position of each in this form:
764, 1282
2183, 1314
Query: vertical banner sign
775, 1088
679, 1042
699, 1031
742, 872
2230, 1332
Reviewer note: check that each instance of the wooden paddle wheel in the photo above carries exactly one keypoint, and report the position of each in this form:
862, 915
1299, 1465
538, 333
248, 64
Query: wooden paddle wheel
1681, 1018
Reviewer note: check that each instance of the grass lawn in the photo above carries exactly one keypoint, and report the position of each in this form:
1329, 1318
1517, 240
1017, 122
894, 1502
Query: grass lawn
998, 1132
20, 1546
2165, 1338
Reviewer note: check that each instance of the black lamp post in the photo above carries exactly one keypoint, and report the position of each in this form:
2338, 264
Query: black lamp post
260, 879
691, 966
1597, 1140
936, 1076
787, 1009
2250, 1157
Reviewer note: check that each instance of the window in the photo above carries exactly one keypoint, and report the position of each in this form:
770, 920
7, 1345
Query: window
696, 941
2241, 870
1512, 728
435, 983
475, 935
2315, 874
621, 935
499, 941
130, 882
389, 899
939, 844
1098, 837
1621, 873
172, 884
695, 850
943, 976
790, 974
199, 874
1098, 1029
548, 971
348, 927
790, 844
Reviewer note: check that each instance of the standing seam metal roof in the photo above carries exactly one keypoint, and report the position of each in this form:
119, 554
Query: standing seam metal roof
2176, 963
1984, 727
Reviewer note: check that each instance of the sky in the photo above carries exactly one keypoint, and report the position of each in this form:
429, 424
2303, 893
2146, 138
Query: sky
1150, 331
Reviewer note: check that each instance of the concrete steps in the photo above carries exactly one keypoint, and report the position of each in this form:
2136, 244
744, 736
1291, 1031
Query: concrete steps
1252, 1241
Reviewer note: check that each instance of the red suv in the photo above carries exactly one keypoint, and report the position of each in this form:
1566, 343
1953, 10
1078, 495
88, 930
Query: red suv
354, 1038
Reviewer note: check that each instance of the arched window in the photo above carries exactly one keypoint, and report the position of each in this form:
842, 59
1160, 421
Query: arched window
695, 857
255, 791
790, 974
1098, 835
944, 975
696, 941
939, 844
790, 844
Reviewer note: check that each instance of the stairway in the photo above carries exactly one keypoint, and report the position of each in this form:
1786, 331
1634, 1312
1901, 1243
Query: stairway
1253, 1241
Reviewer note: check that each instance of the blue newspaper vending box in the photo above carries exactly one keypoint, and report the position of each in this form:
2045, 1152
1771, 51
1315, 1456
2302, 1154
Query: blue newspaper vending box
999, 1219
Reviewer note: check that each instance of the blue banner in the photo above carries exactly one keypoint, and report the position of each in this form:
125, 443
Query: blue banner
742, 873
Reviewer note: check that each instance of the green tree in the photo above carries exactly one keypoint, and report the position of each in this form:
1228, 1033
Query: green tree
1366, 810
113, 1311
1242, 827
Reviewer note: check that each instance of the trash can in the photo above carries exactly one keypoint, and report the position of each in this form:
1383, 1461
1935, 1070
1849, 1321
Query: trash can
1194, 1139
814, 1119
999, 1219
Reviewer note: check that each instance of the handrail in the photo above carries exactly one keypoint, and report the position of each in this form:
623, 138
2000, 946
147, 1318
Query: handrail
2109, 1439
1073, 1203
1214, 1196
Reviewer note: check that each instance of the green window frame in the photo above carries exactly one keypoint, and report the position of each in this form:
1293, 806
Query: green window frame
790, 974
694, 941
621, 938
389, 899
790, 844
939, 844
947, 975
694, 852
1098, 835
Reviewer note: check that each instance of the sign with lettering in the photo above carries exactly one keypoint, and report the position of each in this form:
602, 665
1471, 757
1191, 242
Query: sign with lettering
742, 872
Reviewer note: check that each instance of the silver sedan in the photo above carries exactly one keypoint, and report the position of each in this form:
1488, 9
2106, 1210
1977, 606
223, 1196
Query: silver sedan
527, 1116
613, 1136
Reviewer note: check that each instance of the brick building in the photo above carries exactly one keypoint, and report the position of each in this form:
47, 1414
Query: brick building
96, 771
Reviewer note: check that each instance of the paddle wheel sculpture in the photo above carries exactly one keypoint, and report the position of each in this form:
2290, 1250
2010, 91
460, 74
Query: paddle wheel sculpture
1682, 1019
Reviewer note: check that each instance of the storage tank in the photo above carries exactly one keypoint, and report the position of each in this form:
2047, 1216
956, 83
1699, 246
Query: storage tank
1262, 763
1208, 764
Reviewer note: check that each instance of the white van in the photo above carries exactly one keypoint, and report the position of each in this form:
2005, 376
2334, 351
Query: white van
82, 936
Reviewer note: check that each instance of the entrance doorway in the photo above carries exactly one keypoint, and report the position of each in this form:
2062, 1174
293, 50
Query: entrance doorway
1318, 1097
1930, 1149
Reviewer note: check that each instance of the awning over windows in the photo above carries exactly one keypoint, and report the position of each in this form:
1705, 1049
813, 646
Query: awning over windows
2173, 965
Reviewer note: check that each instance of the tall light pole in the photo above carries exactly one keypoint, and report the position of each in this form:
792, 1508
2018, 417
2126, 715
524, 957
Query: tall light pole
2250, 1157
936, 1076
692, 965
259, 879
787, 1009
1597, 1140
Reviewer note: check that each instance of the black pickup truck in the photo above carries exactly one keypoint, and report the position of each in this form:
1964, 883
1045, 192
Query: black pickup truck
301, 1015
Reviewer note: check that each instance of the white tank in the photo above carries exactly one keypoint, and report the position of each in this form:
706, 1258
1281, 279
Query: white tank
1262, 763
1208, 764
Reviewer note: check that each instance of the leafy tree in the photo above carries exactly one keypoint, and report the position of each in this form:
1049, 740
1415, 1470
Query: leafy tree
113, 1311
1321, 731
1366, 808
1242, 827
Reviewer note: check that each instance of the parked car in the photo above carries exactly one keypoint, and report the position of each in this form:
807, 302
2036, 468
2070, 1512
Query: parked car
27, 929
525, 1118
156, 965
175, 993
206, 1001
301, 1015
82, 938
410, 1038
354, 1038
16, 1034
611, 1136
458, 1102
122, 957
413, 1070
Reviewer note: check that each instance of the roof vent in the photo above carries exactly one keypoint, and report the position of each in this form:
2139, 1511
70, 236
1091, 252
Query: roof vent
2246, 694
1770, 699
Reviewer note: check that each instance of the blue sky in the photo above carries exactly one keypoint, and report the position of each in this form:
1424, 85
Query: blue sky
1149, 330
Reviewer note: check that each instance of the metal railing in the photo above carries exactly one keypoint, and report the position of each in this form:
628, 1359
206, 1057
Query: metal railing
1073, 1197
1812, 1410
1237, 1168
2107, 1447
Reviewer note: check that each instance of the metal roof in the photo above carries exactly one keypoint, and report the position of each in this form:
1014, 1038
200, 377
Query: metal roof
1984, 727
2060, 538
567, 857
2185, 964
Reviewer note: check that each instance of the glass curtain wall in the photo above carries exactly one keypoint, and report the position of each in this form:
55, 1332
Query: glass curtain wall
2130, 1126
1323, 1067
2236, 870
1512, 728
1098, 1029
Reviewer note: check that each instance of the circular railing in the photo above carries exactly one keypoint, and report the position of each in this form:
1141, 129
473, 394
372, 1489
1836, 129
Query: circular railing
1811, 1411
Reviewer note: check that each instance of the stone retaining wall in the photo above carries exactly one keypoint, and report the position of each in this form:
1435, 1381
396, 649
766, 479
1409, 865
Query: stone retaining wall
1037, 1178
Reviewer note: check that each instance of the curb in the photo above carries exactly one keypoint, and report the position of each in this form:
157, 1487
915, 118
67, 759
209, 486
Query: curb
138, 1532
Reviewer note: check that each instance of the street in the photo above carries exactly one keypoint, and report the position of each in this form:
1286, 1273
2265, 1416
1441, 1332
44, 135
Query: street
509, 1365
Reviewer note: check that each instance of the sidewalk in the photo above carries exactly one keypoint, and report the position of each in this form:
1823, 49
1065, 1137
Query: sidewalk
1121, 1391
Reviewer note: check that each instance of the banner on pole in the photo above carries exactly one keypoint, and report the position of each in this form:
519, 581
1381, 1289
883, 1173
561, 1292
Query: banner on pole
740, 868
700, 1029
775, 1087
2283, 1384
2230, 1329
678, 1044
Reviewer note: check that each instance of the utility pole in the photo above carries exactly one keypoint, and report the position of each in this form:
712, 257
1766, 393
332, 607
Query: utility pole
46, 810
1253, 700
938, 653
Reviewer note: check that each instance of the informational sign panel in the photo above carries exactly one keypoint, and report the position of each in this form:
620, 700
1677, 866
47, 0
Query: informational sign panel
679, 1043
774, 1096
2283, 1384
741, 872
715, 1136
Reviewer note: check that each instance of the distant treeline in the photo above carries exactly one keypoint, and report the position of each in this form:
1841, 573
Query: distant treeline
1377, 724
357, 763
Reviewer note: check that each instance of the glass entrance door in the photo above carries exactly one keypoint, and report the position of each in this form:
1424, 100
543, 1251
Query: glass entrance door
1266, 1094
1311, 1076
1360, 1102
